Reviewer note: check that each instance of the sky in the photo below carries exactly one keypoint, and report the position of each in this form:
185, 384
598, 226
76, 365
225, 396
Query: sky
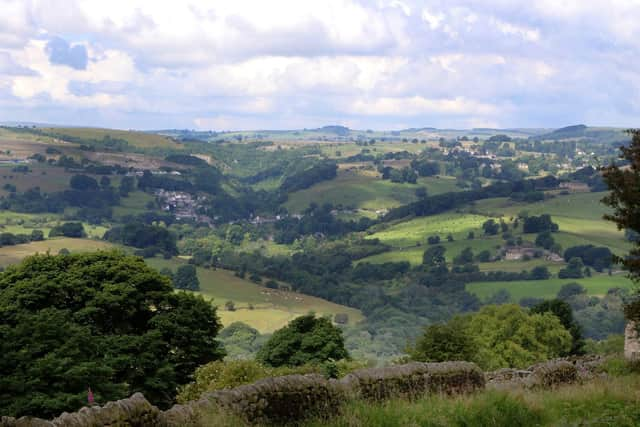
292, 64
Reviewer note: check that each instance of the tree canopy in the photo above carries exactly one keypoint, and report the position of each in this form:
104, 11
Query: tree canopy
306, 339
103, 320
624, 198
498, 336
186, 278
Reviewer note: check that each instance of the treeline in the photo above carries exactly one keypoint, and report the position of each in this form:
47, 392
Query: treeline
10, 239
152, 239
323, 171
443, 202
316, 220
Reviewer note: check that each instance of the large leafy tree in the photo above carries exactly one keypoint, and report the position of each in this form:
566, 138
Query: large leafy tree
508, 336
498, 336
102, 320
186, 278
624, 198
443, 342
562, 310
306, 339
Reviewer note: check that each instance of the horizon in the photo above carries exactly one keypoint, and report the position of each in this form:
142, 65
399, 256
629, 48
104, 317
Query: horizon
387, 65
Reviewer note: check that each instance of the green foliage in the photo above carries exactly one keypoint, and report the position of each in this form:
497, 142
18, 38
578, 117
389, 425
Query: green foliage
563, 311
306, 339
434, 257
444, 342
507, 336
102, 320
186, 278
571, 289
241, 340
574, 269
83, 183
232, 373
68, 229
613, 344
496, 337
490, 227
143, 236
625, 198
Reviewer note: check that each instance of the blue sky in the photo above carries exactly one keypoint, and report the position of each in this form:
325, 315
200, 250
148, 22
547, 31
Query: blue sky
378, 64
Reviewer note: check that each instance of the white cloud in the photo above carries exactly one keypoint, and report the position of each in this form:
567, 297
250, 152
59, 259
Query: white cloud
417, 105
258, 64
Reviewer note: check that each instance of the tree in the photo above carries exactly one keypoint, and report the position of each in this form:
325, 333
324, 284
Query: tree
433, 240
434, 257
127, 185
490, 227
574, 269
563, 311
83, 183
569, 290
624, 198
508, 336
37, 235
104, 320
464, 257
105, 182
540, 273
306, 339
538, 224
186, 278
444, 342
68, 229
545, 240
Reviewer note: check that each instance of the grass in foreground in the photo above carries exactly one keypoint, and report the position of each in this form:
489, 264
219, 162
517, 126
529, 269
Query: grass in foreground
604, 402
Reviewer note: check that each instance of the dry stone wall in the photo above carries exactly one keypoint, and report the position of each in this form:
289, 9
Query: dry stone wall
294, 397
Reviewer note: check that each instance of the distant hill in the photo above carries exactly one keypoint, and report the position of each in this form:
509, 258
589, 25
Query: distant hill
338, 130
583, 132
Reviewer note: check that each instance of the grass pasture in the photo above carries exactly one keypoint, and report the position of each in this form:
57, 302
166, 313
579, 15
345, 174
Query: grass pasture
416, 230
14, 254
133, 138
361, 190
48, 178
272, 309
134, 204
578, 215
597, 285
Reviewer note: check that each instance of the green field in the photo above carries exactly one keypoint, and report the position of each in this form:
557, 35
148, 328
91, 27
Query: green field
596, 285
365, 190
579, 217
350, 149
47, 178
134, 204
133, 138
414, 231
14, 254
272, 309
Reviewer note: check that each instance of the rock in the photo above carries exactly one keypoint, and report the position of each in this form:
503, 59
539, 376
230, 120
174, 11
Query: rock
632, 342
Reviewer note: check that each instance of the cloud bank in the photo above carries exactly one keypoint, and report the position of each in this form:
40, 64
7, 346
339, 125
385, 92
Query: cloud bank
292, 63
